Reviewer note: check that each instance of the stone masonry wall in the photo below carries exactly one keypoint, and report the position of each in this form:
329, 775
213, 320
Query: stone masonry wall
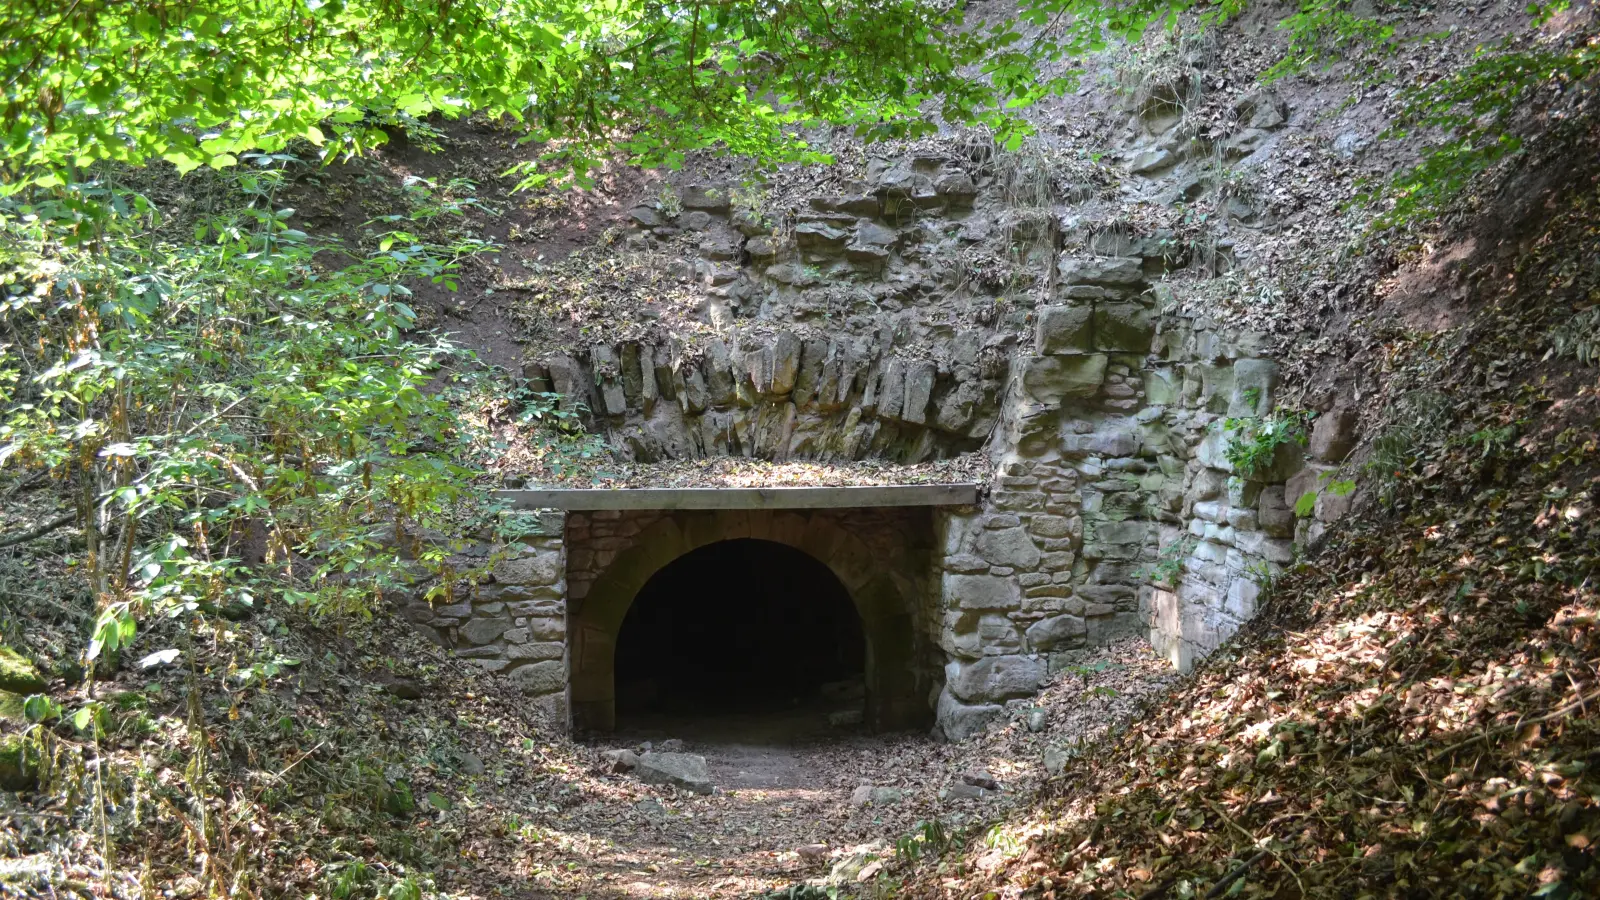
913, 313
515, 621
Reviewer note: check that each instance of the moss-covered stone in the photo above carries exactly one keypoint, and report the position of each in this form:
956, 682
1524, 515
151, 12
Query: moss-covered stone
11, 707
17, 675
1122, 326
17, 769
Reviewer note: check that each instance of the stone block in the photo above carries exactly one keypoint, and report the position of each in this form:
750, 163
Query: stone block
919, 380
1208, 484
707, 197
1312, 479
1065, 330
965, 563
544, 650
1019, 501
1216, 388
980, 592
1008, 547
1242, 596
1057, 561
1114, 272
1273, 514
481, 630
547, 629
1152, 161
1332, 507
958, 408
684, 770
994, 679
545, 677
998, 636
1278, 550
1126, 532
956, 188
1286, 460
785, 363
1056, 632
455, 610
1243, 492
1333, 436
547, 606
1160, 387
1255, 383
1242, 519
820, 237
960, 721
1122, 328
971, 635
1052, 526
1053, 379
540, 569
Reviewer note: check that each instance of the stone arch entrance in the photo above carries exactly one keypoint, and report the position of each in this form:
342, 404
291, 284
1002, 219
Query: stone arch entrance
740, 627
883, 590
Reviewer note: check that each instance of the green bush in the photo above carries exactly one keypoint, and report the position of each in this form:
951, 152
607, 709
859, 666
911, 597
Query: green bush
1253, 441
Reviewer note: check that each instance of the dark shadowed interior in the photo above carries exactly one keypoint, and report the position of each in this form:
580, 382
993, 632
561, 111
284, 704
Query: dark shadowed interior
740, 626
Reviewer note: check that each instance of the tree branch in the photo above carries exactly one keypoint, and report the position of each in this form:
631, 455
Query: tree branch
39, 532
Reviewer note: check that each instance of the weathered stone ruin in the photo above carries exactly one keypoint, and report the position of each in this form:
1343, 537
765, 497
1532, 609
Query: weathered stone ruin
920, 313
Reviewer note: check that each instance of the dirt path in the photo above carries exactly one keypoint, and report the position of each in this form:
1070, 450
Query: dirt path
784, 811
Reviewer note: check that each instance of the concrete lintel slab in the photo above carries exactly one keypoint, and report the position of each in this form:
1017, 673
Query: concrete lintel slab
854, 497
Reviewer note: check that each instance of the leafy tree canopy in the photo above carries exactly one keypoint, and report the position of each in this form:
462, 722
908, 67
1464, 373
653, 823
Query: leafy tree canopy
199, 82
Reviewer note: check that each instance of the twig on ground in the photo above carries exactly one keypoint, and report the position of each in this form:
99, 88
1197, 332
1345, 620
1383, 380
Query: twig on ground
39, 532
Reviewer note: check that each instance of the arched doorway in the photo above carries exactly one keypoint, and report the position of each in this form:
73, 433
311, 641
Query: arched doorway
880, 583
742, 626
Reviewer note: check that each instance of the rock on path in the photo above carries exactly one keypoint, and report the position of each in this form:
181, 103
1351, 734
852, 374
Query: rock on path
685, 770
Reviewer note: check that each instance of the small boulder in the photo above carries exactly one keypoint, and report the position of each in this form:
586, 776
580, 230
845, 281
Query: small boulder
684, 770
963, 791
1055, 759
812, 853
671, 745
621, 760
980, 779
876, 796
17, 674
707, 197
1038, 719
19, 770
645, 217
959, 721
851, 867
403, 688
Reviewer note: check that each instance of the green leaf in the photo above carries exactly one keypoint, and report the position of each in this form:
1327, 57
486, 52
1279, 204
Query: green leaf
1306, 504
39, 708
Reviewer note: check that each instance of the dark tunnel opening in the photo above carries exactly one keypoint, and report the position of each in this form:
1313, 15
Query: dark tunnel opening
741, 627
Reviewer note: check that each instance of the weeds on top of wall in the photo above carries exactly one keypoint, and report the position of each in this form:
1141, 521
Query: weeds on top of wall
1253, 441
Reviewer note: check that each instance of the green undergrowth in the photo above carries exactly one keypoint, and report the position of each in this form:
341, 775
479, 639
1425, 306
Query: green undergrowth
273, 757
223, 438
